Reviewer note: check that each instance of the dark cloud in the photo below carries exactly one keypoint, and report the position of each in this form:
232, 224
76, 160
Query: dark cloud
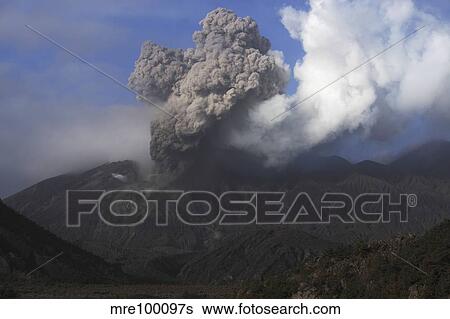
230, 68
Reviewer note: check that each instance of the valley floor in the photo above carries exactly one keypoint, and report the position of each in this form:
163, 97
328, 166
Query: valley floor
29, 289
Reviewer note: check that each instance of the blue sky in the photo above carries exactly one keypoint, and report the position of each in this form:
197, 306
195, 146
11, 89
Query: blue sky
112, 38
40, 84
37, 78
109, 33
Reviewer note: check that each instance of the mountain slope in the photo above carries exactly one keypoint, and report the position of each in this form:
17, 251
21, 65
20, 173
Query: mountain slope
382, 269
182, 251
255, 254
24, 246
431, 159
407, 266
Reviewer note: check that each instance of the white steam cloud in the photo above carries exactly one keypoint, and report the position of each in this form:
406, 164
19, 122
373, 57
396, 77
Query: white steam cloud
70, 139
410, 80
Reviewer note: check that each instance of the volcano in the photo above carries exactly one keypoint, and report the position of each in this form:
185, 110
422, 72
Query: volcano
179, 252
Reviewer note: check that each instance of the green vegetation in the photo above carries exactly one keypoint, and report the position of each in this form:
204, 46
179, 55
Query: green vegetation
382, 269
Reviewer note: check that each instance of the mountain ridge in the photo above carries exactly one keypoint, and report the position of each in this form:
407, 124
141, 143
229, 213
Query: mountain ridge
148, 250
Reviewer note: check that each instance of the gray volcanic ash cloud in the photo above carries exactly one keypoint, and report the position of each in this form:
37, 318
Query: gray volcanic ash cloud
229, 87
230, 69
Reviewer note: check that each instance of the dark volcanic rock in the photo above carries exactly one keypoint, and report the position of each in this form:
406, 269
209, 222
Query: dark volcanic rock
254, 255
160, 253
24, 246
142, 249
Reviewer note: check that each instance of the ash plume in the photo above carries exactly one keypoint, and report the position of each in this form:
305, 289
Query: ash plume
230, 69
